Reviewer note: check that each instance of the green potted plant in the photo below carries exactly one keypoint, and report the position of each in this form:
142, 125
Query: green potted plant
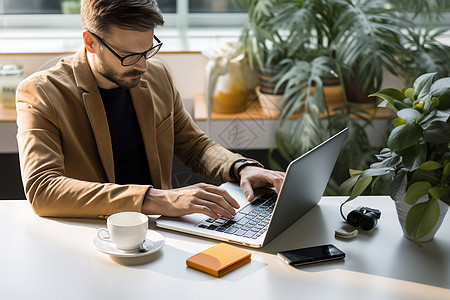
257, 35
319, 44
417, 156
354, 40
262, 42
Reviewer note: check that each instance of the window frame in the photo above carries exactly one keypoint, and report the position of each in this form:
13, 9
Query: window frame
181, 18
183, 29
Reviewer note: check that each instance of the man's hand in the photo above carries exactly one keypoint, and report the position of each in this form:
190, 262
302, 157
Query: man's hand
255, 177
199, 198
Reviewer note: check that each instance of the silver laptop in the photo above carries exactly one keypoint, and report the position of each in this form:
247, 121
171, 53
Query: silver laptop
259, 222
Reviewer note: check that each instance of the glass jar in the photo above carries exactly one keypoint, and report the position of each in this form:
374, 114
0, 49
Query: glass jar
10, 77
226, 83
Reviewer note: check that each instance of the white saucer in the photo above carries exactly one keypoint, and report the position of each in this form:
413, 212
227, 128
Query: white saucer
154, 242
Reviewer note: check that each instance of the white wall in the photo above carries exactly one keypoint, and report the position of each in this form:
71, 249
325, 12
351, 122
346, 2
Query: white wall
187, 68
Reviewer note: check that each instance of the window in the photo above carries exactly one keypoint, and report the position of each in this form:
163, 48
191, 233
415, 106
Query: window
208, 6
190, 25
48, 26
59, 6
29, 7
63, 13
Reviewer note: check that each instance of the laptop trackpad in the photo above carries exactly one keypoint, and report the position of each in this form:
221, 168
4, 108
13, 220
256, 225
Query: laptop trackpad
235, 191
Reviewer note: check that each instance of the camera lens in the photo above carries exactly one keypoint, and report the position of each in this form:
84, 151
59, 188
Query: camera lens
353, 218
368, 221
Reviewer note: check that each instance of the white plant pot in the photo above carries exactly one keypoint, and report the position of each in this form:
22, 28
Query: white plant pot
269, 103
403, 209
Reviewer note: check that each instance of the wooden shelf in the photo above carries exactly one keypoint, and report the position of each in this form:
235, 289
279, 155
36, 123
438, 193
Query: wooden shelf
254, 111
7, 115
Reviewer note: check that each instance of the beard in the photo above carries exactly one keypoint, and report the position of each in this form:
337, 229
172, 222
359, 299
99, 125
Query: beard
123, 80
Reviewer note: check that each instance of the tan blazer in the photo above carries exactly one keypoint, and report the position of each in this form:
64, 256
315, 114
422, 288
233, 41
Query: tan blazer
65, 147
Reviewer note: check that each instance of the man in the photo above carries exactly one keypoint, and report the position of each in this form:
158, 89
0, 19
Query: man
97, 132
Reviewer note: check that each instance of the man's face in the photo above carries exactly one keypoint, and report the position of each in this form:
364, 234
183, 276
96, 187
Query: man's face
123, 42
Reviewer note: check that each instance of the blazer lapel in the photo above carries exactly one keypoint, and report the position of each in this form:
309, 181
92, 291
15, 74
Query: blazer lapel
99, 124
95, 111
143, 105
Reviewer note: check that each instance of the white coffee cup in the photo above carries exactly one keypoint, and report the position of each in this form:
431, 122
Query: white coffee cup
127, 230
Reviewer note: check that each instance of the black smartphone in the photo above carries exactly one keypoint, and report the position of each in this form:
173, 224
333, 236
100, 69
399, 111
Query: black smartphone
311, 255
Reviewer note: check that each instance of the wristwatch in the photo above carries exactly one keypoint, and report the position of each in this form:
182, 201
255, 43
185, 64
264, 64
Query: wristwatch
237, 166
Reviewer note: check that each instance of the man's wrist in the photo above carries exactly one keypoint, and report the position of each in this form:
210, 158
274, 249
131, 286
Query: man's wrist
239, 165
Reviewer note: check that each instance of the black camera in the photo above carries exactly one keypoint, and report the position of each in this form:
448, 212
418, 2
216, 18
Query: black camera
364, 217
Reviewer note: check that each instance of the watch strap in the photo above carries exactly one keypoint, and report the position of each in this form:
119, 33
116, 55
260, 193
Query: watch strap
237, 166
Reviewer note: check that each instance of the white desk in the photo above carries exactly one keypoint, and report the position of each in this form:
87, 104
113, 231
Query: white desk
43, 258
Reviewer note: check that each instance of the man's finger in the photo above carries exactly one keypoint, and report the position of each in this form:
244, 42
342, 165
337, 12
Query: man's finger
202, 209
278, 182
247, 189
215, 208
224, 194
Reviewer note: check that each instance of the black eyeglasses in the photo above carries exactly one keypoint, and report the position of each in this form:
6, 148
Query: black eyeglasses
135, 57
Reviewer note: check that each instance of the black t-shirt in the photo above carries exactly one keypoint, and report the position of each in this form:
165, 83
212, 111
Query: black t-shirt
130, 160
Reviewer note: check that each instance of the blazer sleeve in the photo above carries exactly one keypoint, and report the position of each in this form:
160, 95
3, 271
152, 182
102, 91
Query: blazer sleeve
48, 189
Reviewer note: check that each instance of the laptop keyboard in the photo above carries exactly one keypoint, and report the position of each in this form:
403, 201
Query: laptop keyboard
250, 222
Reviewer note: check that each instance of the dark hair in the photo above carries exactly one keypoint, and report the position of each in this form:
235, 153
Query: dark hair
99, 16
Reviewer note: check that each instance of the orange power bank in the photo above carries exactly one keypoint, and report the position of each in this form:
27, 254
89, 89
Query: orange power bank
219, 259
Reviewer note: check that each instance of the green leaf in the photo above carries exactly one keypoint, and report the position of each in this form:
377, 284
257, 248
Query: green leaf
430, 105
408, 102
419, 104
389, 95
384, 103
409, 114
416, 190
402, 105
384, 153
398, 121
376, 172
398, 186
428, 118
422, 175
346, 187
447, 170
421, 218
440, 87
430, 165
437, 133
414, 156
354, 172
422, 85
390, 162
409, 93
444, 102
404, 136
359, 187
437, 193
